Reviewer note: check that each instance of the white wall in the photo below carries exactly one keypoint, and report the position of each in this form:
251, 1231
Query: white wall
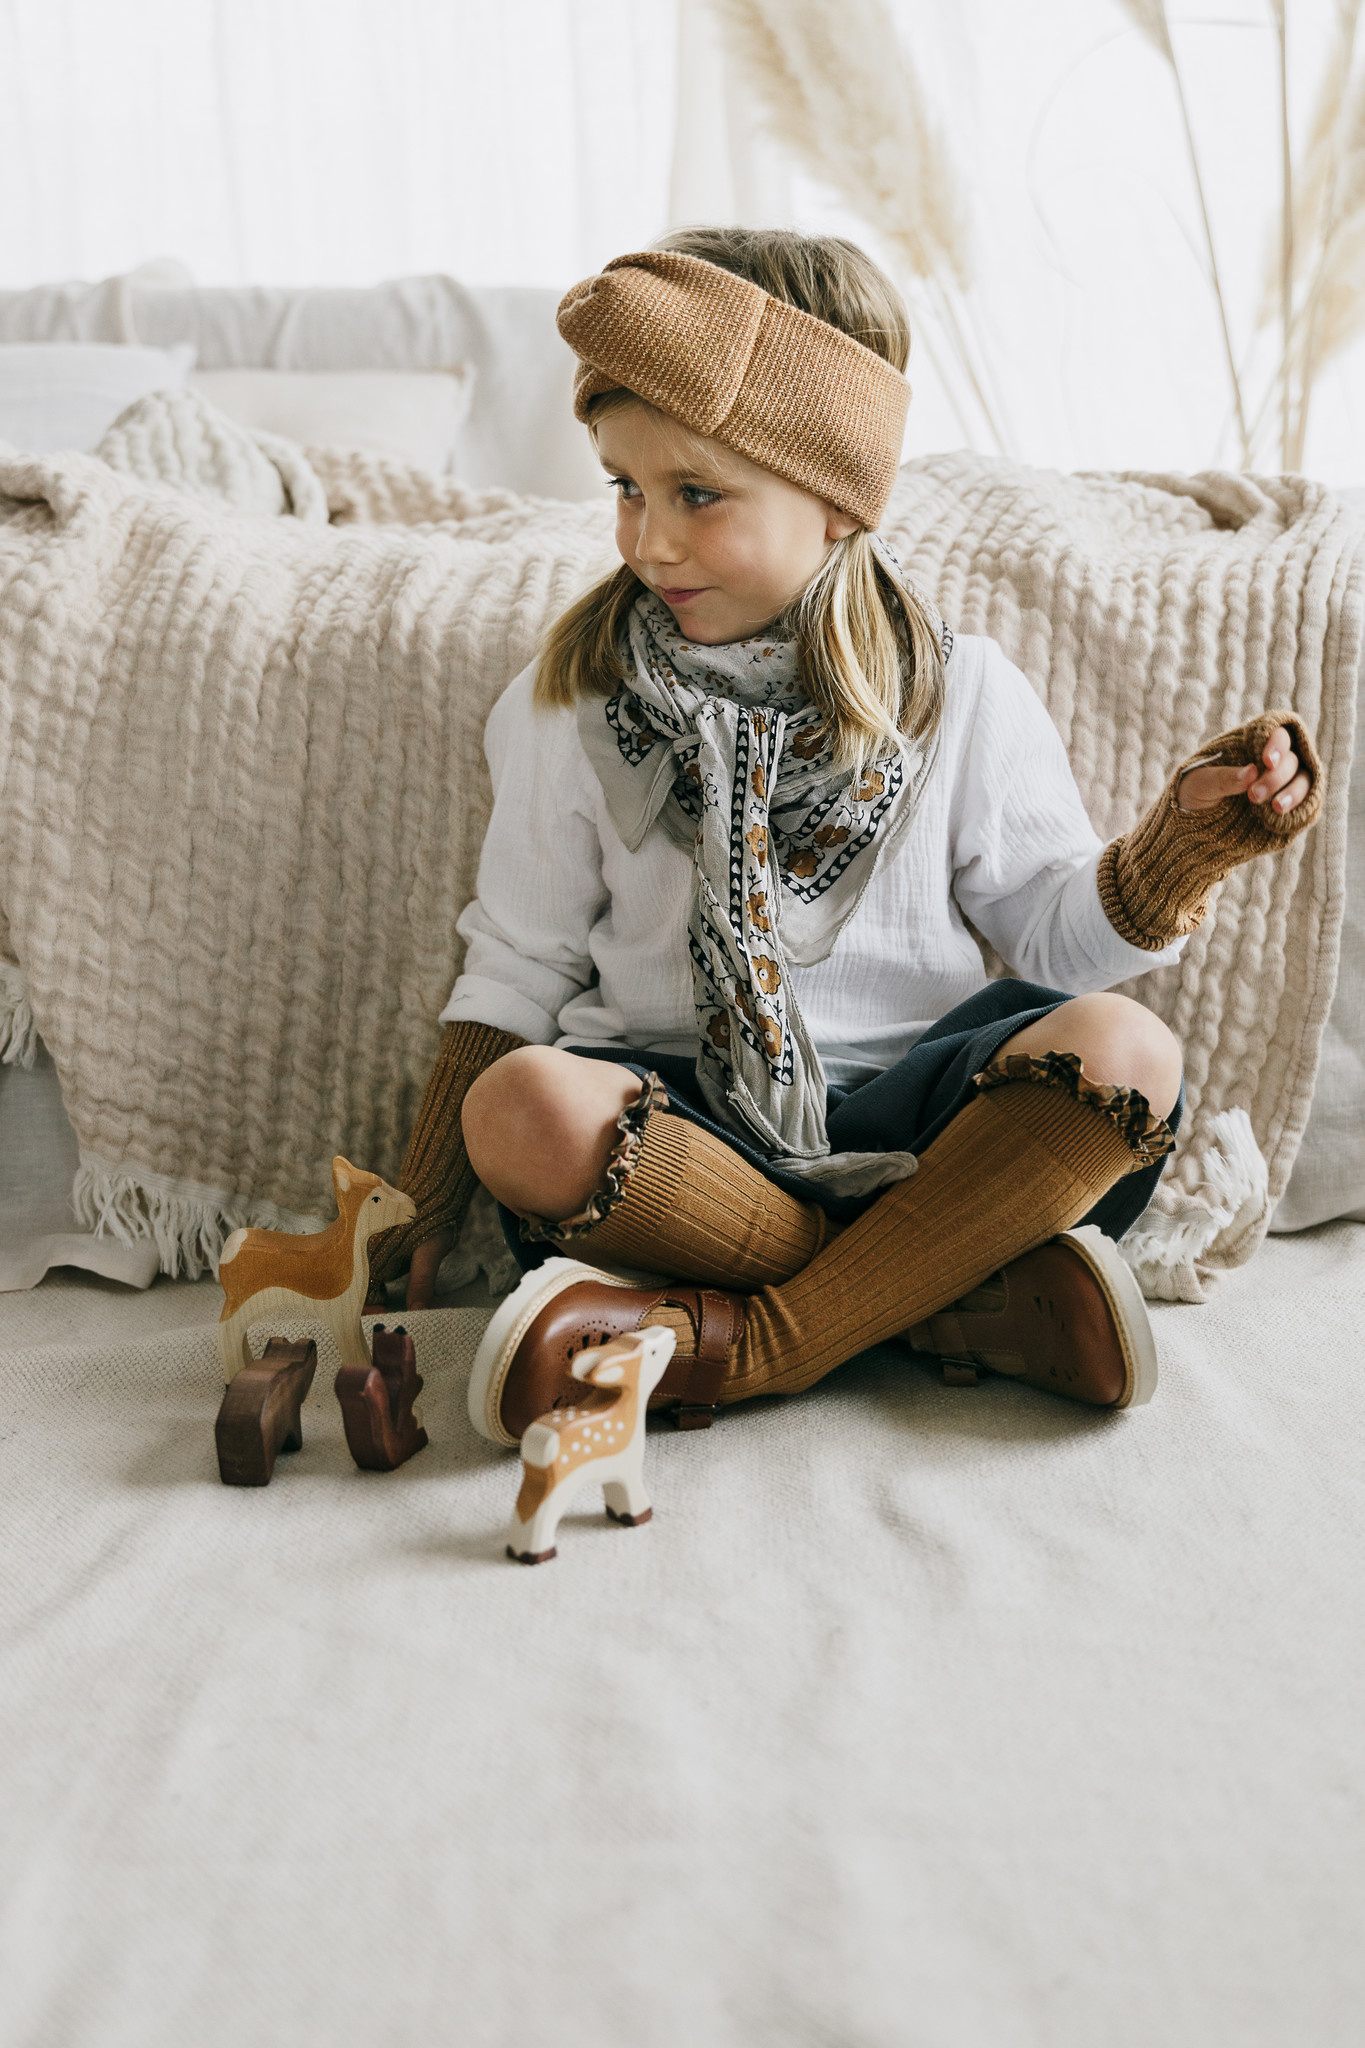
332, 141
525, 142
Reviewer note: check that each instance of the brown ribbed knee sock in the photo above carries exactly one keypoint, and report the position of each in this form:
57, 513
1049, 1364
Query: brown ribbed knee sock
695, 1210
1015, 1167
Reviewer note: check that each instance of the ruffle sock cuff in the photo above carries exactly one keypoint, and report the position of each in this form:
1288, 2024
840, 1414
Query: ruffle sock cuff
1147, 1136
621, 1164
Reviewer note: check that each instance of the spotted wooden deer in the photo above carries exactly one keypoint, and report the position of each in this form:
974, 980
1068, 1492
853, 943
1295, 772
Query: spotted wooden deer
600, 1441
324, 1274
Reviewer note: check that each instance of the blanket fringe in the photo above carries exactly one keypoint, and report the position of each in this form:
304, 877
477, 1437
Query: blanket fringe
1172, 1246
18, 1032
189, 1225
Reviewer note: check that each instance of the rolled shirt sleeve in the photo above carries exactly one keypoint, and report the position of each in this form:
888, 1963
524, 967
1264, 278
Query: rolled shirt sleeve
1024, 854
540, 886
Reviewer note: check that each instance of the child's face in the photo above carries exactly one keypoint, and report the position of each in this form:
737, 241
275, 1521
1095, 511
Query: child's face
725, 544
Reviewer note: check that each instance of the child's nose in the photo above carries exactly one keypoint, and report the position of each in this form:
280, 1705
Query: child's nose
655, 541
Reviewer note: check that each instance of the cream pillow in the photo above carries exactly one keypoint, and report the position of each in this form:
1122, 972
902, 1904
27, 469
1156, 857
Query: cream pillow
67, 394
410, 415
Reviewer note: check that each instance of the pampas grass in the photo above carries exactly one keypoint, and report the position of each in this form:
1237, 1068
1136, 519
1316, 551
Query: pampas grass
835, 85
1316, 288
1286, 225
1326, 233
1151, 18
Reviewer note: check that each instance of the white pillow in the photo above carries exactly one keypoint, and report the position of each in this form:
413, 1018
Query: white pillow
67, 394
411, 415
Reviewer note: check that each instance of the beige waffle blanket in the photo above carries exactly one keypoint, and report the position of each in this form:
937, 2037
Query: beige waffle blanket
242, 790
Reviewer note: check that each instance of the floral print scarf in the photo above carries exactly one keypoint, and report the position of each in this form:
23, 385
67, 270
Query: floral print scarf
720, 748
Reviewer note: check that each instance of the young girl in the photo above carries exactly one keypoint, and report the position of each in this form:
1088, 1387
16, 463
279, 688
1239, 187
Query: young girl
722, 1020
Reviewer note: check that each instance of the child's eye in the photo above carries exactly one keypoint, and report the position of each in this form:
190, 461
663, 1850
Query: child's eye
622, 485
693, 494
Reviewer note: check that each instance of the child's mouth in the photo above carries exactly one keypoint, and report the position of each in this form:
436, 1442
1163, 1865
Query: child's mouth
676, 597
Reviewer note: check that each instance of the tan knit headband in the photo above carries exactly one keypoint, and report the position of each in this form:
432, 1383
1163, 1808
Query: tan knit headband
791, 392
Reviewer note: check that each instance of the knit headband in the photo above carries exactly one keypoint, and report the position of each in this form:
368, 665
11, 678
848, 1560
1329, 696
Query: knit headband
720, 354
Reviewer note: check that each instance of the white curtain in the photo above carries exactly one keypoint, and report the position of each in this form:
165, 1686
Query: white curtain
340, 141
332, 141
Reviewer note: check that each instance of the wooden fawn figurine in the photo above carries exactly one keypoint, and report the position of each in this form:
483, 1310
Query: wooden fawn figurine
600, 1441
325, 1274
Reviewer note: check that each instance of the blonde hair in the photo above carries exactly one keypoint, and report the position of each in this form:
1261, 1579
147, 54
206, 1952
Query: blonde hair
868, 651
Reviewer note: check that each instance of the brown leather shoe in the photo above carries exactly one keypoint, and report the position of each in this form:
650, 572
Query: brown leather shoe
1068, 1317
522, 1368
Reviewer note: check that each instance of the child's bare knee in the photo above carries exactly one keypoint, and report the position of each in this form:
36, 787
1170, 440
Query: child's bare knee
1116, 1040
538, 1124
500, 1087
509, 1104
1129, 1047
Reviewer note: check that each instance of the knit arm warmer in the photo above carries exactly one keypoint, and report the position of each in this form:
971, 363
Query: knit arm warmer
436, 1171
1155, 882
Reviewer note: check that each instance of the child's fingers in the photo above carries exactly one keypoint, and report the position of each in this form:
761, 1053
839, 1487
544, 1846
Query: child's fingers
426, 1261
1278, 782
1277, 746
1205, 786
1274, 779
1290, 798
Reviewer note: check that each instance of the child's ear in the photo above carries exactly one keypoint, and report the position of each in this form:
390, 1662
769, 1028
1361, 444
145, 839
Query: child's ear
839, 525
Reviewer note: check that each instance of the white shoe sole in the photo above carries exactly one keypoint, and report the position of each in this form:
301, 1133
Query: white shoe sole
502, 1338
1126, 1305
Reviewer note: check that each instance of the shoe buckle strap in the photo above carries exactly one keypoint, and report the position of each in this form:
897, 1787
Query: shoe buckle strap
718, 1320
944, 1336
694, 1415
946, 1333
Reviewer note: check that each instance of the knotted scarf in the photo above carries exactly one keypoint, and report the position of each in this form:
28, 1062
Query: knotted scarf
721, 747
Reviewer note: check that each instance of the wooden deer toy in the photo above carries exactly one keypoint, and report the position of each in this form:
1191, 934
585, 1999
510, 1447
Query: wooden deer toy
600, 1441
379, 1403
325, 1274
261, 1412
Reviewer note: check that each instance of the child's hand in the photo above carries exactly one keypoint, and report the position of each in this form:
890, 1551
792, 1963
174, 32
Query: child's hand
1156, 882
425, 1262
1279, 781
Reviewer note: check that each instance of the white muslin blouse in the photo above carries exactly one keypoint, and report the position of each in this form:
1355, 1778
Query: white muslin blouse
573, 940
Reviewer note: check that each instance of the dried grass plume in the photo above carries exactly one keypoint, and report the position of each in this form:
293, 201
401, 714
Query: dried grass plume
838, 88
1327, 233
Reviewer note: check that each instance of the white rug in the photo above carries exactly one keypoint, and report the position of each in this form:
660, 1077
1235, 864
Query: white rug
918, 1718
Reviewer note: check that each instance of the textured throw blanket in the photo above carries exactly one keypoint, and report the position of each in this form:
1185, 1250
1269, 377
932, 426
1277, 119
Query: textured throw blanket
242, 795
242, 790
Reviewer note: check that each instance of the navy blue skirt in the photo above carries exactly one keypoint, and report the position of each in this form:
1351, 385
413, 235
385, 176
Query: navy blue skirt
901, 1110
